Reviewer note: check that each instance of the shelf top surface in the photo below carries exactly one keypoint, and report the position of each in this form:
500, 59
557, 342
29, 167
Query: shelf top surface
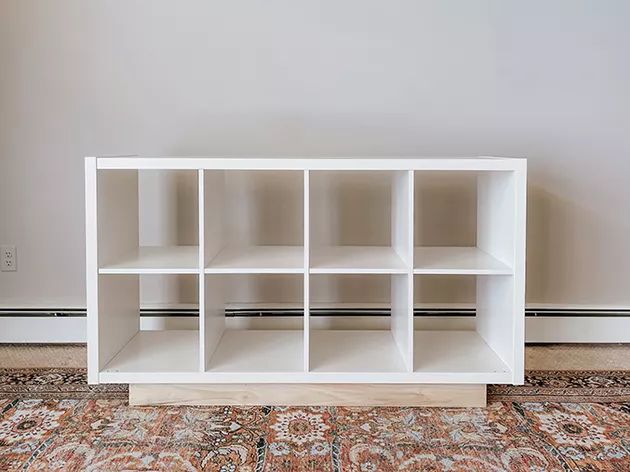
478, 163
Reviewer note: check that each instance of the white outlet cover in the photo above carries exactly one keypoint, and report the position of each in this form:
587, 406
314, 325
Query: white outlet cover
8, 258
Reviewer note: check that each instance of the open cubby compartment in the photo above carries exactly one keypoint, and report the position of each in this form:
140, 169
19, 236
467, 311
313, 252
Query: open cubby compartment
126, 353
467, 349
464, 222
253, 221
147, 222
250, 352
360, 222
354, 346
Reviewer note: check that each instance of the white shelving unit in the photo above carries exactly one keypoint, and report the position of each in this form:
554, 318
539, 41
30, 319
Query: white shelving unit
119, 352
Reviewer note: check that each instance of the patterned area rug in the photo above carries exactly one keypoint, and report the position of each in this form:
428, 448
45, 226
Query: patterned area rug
544, 385
51, 420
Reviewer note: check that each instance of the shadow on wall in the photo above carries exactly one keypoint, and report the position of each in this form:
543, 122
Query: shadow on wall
563, 240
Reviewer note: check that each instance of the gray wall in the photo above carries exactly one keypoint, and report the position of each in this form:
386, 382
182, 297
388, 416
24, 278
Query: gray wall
543, 79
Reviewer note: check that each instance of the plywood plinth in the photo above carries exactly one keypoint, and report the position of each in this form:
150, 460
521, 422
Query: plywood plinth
433, 395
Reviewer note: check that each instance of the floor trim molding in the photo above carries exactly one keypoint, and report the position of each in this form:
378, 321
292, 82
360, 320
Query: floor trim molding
542, 325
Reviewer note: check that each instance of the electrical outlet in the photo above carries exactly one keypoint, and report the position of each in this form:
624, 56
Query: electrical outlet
8, 258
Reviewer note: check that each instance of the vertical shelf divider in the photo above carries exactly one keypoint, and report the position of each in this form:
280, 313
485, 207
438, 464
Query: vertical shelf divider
202, 276
402, 284
211, 240
410, 265
306, 325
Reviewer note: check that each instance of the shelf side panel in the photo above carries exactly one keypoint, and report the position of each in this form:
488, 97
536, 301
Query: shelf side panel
117, 213
91, 267
520, 237
118, 314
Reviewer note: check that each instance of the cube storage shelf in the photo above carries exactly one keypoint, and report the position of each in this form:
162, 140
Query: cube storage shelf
119, 352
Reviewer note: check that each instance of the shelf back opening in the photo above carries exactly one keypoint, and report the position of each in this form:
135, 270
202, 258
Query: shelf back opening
465, 347
126, 350
463, 222
351, 346
147, 221
360, 221
253, 221
236, 347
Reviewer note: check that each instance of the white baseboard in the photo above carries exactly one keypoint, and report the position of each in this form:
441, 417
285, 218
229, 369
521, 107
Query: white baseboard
577, 329
40, 329
547, 328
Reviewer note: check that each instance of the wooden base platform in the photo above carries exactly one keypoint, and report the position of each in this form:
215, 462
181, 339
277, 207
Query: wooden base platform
425, 395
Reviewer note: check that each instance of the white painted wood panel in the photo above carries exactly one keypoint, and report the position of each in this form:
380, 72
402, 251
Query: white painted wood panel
457, 261
455, 352
201, 279
117, 214
355, 351
306, 326
212, 321
518, 301
156, 260
356, 260
118, 313
310, 377
213, 216
402, 317
158, 351
402, 215
258, 351
91, 269
319, 163
258, 260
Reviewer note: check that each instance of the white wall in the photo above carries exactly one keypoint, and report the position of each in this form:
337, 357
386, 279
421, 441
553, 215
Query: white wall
538, 78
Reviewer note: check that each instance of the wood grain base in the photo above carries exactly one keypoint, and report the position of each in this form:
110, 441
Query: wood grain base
432, 395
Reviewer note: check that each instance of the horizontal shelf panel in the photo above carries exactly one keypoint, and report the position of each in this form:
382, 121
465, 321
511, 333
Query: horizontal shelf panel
336, 356
158, 351
302, 377
258, 260
457, 260
356, 260
259, 351
323, 163
339, 351
157, 260
276, 357
459, 353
